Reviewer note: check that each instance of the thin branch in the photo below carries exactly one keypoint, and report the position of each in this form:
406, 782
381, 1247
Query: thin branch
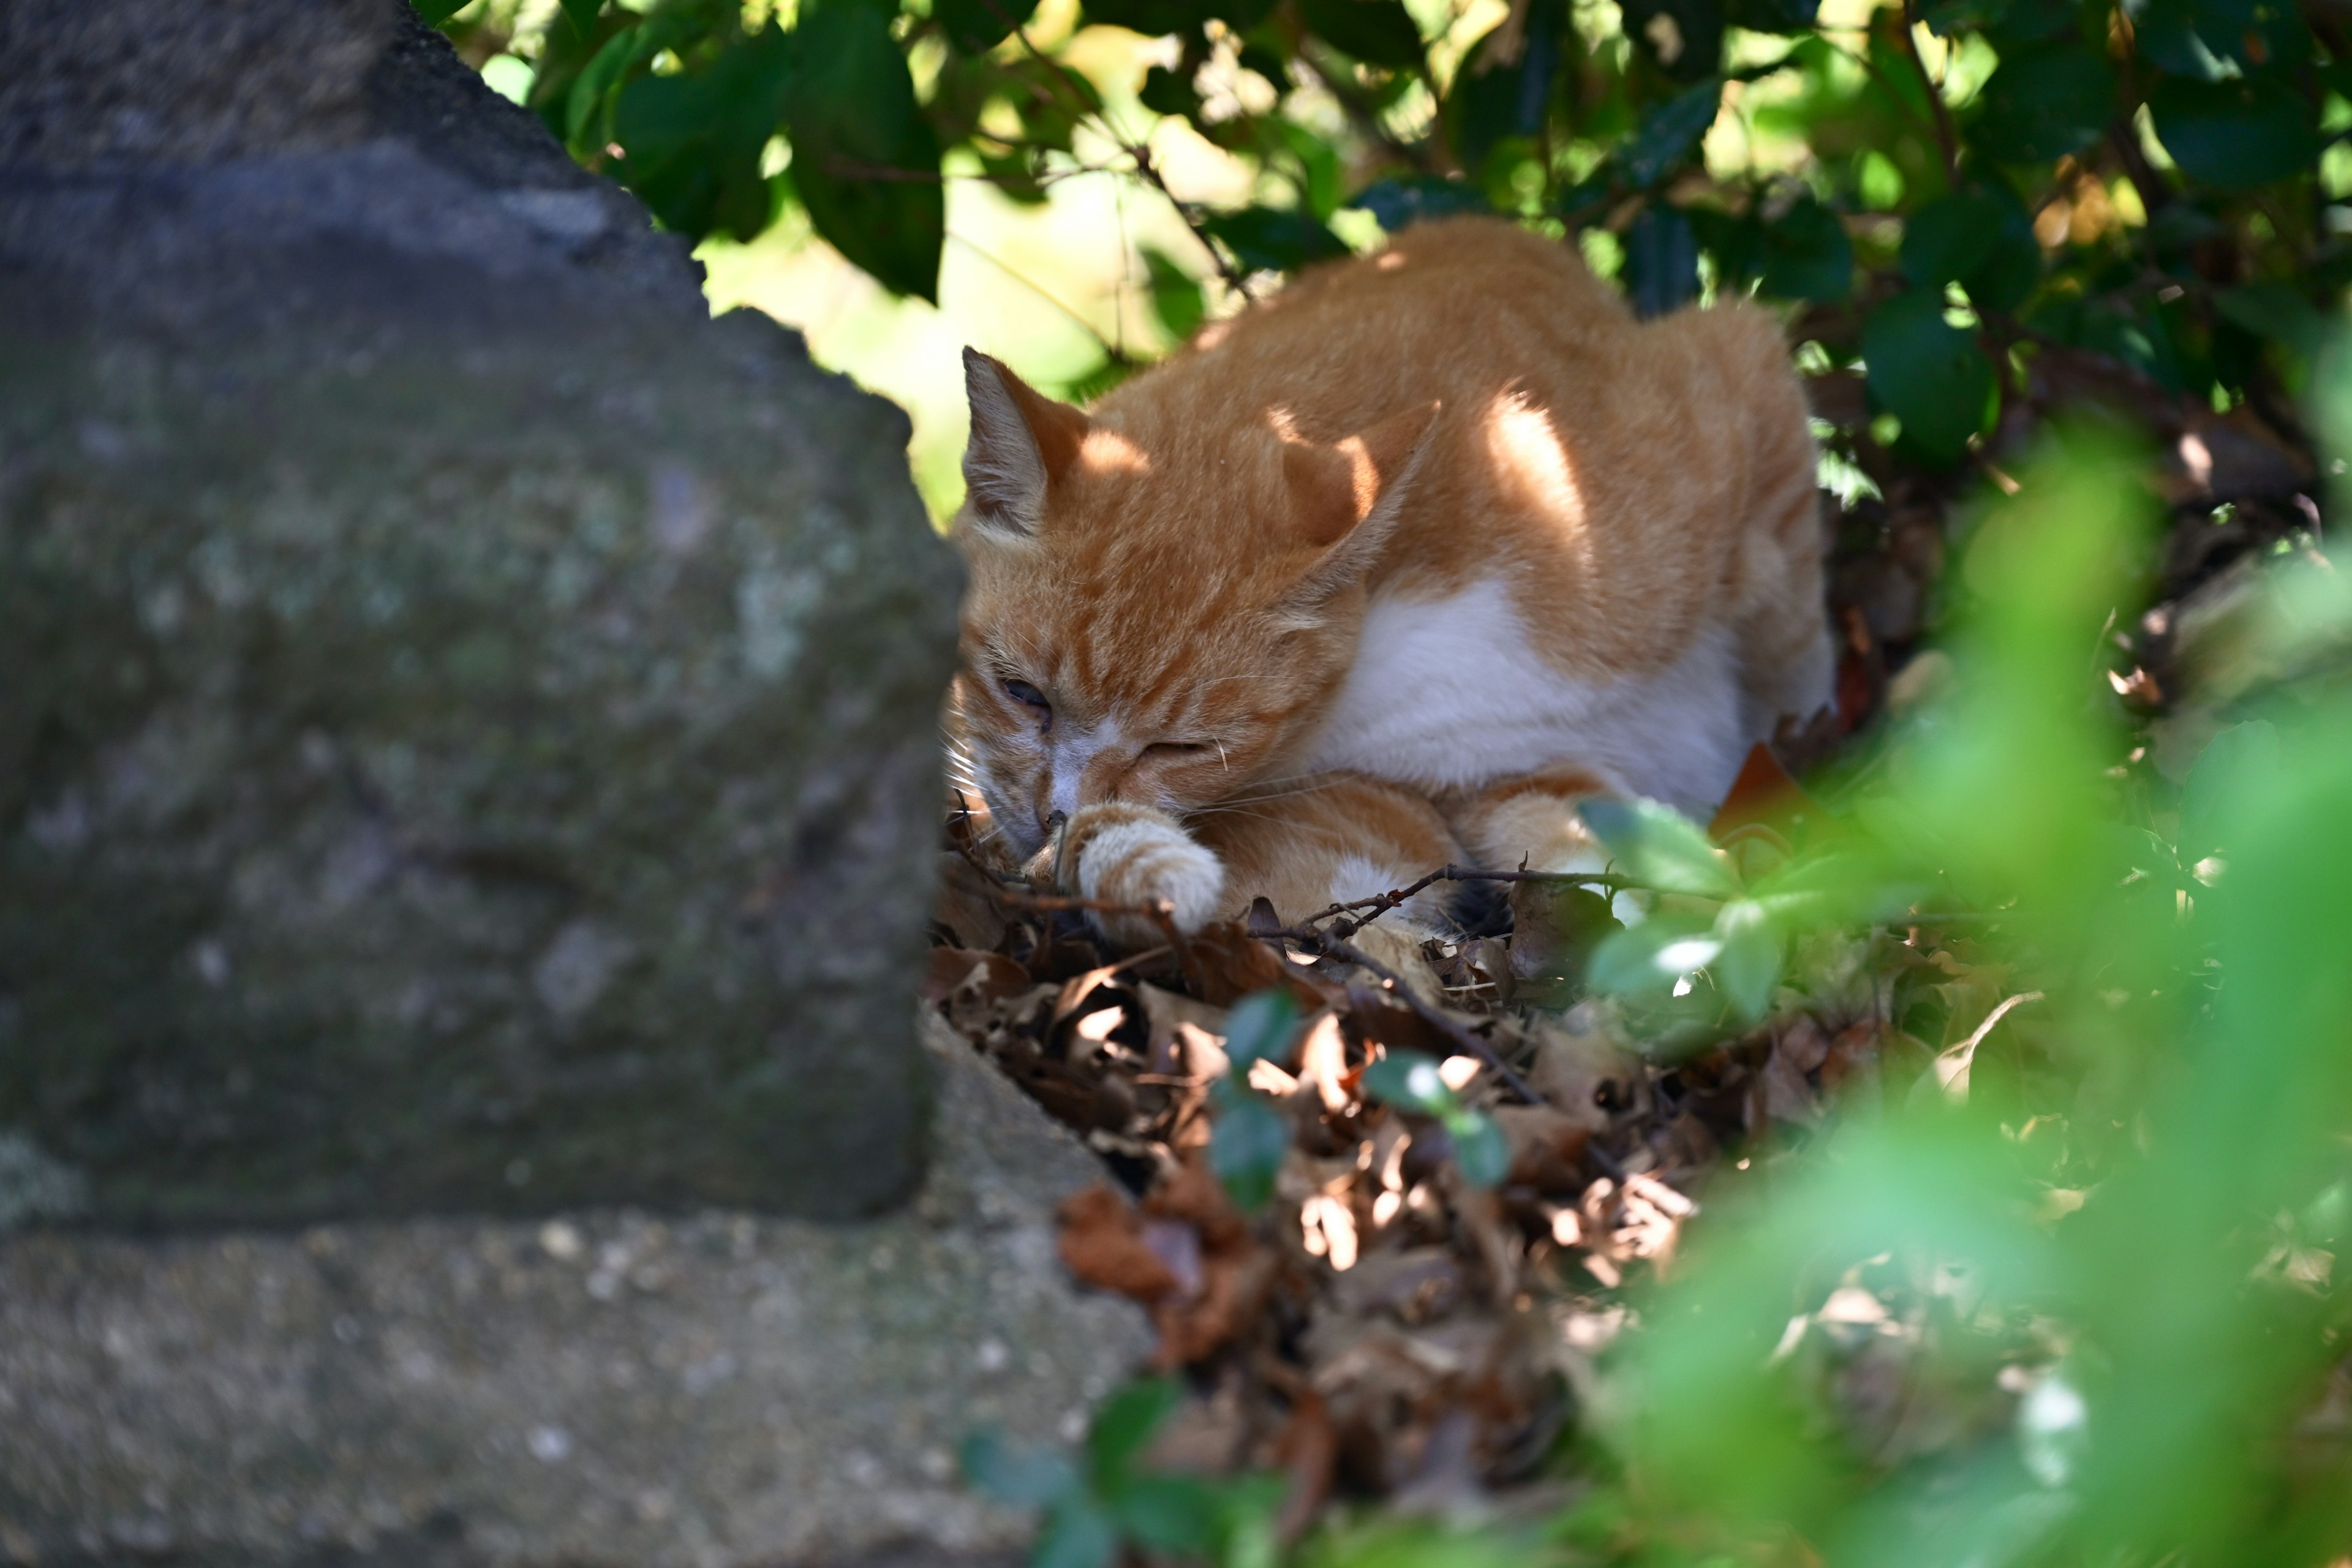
1381, 903
1436, 1018
1945, 136
1139, 155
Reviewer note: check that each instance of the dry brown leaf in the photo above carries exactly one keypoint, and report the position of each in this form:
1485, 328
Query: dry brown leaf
1101, 1242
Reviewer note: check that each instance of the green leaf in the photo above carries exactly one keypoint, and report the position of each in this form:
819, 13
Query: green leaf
1166, 92
436, 12
1177, 298
1670, 133
1978, 238
2278, 311
1398, 204
1929, 373
1023, 1478
1657, 847
1078, 1534
864, 160
2232, 763
1174, 1514
2211, 40
1259, 1028
2043, 104
692, 141
1806, 254
582, 14
1377, 31
1649, 958
1409, 1080
976, 26
1273, 239
1493, 101
1661, 261
1748, 966
1126, 1423
1480, 1152
1773, 15
1247, 1149
2234, 136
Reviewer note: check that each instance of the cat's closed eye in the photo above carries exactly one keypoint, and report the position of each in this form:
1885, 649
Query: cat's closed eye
1028, 695
1176, 747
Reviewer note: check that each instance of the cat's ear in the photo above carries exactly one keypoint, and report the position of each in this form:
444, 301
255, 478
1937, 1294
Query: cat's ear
1344, 496
1022, 442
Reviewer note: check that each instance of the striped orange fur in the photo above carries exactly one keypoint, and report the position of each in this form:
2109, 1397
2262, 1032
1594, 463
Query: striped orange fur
1388, 570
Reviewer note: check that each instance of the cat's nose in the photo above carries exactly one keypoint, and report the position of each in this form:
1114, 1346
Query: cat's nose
1051, 824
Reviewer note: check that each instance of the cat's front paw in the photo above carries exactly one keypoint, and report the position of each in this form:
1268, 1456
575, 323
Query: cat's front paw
1120, 853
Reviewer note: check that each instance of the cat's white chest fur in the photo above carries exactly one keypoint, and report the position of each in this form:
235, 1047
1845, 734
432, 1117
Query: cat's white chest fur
1451, 693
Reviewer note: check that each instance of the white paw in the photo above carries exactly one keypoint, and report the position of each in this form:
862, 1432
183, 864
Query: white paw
1141, 857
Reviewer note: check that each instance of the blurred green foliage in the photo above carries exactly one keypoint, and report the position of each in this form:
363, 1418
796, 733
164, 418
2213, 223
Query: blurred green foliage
1939, 189
2104, 1242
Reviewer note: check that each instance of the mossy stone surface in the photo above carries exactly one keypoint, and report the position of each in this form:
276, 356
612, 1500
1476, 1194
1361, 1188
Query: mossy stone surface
467, 719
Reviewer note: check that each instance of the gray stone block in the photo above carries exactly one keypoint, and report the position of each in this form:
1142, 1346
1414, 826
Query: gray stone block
466, 718
596, 1389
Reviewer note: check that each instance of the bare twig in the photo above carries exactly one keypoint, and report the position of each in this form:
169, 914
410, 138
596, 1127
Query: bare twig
1946, 137
1139, 155
1381, 903
1436, 1018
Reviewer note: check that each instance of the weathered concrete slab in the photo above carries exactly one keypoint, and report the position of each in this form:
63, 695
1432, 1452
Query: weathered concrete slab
599, 1388
466, 718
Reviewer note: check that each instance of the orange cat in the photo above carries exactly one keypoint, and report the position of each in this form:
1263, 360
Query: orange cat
1388, 571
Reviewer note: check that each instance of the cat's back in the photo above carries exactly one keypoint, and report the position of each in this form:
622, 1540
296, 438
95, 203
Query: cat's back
1450, 311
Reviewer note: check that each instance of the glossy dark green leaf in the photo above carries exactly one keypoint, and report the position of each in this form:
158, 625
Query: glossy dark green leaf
865, 161
692, 141
1128, 1420
1493, 100
1273, 239
975, 26
2012, 25
2211, 40
1408, 1080
1259, 1028
1684, 38
1166, 92
1647, 959
1153, 18
1661, 261
2234, 762
2043, 104
1772, 16
582, 14
1077, 1533
1807, 255
1657, 847
1978, 238
1748, 965
1929, 373
1177, 298
1377, 31
2234, 136
1670, 133
436, 12
2278, 311
1020, 1478
1480, 1152
1398, 204
1247, 1148
1736, 241
1174, 1514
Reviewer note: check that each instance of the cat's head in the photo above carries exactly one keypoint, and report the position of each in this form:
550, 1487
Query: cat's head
1163, 599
